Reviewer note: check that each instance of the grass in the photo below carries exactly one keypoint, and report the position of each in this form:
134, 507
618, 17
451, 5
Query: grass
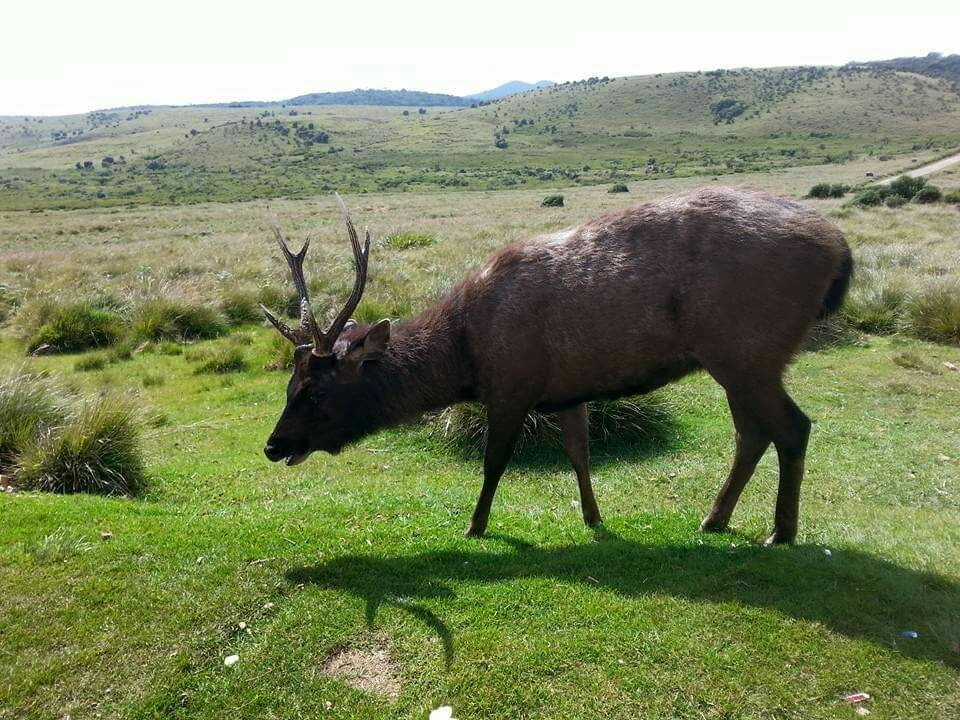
325, 555
543, 618
407, 240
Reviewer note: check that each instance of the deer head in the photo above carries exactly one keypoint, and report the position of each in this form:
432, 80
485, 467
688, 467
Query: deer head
327, 381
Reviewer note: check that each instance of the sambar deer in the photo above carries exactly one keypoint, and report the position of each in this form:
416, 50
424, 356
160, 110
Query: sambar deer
727, 280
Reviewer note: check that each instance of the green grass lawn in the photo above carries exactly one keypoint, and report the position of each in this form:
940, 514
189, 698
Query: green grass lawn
543, 618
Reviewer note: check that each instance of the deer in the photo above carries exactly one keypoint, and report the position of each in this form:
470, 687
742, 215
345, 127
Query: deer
724, 280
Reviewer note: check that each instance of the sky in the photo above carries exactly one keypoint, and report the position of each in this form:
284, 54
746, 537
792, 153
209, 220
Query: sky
61, 58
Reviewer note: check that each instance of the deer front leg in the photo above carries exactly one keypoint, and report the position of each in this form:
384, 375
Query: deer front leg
503, 428
575, 424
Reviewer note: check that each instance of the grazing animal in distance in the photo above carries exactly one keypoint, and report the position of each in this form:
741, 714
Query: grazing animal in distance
725, 280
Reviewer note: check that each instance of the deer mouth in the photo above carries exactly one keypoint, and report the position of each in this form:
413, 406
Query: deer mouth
296, 459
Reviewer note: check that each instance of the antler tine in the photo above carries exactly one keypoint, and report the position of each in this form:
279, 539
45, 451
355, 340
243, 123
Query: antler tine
281, 326
360, 257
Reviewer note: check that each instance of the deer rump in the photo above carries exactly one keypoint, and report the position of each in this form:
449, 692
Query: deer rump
728, 280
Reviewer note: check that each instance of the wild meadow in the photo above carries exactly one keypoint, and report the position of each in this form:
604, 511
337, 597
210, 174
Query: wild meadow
127, 605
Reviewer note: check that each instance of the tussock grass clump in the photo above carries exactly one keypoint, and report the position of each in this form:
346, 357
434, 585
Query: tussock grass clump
164, 319
933, 313
70, 327
93, 361
640, 419
29, 404
407, 240
928, 194
219, 359
833, 332
875, 302
952, 197
281, 354
618, 188
97, 450
552, 201
241, 306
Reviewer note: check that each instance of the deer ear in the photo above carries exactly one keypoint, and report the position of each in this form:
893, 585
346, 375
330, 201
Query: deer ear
377, 338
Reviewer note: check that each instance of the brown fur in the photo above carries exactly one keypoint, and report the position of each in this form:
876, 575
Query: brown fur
729, 280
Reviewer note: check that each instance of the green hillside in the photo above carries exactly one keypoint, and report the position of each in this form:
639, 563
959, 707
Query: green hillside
589, 132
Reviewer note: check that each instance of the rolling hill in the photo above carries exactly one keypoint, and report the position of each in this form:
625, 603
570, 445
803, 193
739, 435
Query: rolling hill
588, 132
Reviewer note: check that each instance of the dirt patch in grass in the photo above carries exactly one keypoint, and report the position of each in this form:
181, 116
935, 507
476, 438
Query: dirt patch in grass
369, 668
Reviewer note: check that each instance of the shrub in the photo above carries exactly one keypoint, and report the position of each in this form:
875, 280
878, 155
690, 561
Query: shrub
907, 186
72, 327
552, 201
287, 301
895, 201
928, 194
952, 197
240, 306
28, 404
828, 190
406, 240
933, 313
219, 359
871, 197
618, 188
97, 450
93, 361
642, 419
175, 320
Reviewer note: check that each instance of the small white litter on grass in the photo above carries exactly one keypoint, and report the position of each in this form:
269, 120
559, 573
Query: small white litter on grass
231, 660
827, 552
444, 712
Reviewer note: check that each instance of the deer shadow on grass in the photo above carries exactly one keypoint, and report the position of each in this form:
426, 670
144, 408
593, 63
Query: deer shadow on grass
853, 593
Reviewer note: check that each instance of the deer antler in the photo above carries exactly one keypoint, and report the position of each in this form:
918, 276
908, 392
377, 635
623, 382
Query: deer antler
309, 331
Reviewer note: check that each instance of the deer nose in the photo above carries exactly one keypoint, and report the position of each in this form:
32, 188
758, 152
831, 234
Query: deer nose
272, 452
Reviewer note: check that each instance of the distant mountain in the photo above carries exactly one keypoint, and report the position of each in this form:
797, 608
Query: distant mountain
933, 65
378, 97
510, 88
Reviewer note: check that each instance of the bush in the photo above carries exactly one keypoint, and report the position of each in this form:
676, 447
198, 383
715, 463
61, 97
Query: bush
72, 327
871, 197
97, 450
619, 188
241, 306
827, 190
407, 240
28, 404
175, 320
933, 313
928, 194
642, 419
907, 186
895, 201
952, 197
552, 201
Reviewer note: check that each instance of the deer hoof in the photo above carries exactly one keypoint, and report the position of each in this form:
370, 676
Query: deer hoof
711, 525
779, 538
475, 531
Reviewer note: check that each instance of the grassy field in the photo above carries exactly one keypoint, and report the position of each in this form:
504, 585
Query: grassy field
607, 130
228, 555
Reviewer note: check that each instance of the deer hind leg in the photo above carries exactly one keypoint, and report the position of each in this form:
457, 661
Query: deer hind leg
575, 424
503, 428
764, 414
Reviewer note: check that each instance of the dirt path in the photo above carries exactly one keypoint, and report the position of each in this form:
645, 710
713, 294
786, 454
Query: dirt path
925, 169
